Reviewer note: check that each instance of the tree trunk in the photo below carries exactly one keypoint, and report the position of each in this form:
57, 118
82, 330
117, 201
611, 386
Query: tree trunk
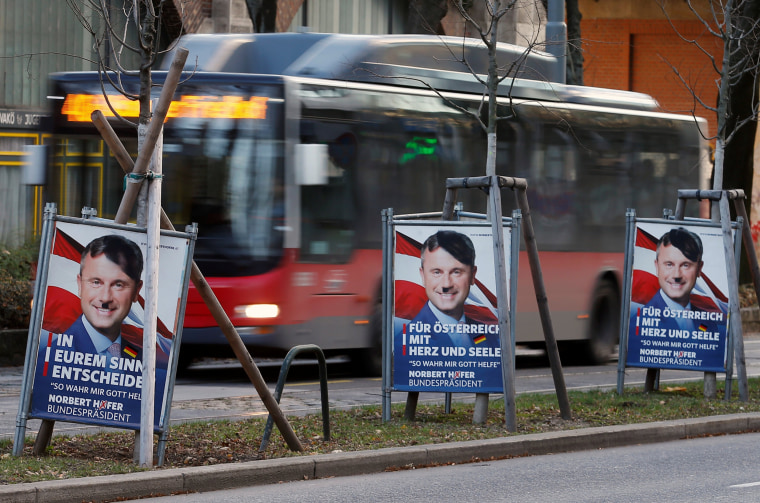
738, 163
742, 99
263, 14
574, 49
424, 16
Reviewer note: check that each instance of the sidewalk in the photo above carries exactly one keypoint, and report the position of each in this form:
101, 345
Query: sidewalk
209, 478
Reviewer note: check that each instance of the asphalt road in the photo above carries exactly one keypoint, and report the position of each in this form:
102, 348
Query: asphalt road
710, 469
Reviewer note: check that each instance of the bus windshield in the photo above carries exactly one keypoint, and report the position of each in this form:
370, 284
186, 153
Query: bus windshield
221, 171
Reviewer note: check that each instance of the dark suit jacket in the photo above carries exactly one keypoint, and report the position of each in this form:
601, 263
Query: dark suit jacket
83, 343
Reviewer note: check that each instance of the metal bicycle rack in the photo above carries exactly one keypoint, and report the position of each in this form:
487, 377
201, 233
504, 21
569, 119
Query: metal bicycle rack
295, 351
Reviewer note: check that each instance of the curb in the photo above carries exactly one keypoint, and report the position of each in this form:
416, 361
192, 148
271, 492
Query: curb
252, 473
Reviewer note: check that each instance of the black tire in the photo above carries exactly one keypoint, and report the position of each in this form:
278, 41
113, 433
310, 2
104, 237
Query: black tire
604, 325
186, 358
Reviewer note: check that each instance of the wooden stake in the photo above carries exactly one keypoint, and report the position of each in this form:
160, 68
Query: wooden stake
151, 309
208, 296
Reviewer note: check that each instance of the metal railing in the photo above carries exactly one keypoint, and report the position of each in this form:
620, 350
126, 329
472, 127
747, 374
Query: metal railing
281, 384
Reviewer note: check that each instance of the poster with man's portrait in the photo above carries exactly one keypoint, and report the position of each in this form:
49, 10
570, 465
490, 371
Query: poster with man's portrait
89, 360
679, 298
445, 321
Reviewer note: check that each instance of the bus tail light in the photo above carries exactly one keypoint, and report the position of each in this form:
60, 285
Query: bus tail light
258, 311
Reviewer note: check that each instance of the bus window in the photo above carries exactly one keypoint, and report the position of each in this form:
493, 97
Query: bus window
553, 189
327, 211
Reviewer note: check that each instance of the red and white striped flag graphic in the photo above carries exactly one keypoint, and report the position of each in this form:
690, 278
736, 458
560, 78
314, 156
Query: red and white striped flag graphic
410, 297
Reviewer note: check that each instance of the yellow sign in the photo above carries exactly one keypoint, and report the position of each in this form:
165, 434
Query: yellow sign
79, 107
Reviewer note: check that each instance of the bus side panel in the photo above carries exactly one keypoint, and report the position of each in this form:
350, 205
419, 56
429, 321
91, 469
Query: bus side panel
569, 279
324, 304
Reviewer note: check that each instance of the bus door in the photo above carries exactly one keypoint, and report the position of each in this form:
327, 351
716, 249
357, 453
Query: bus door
329, 284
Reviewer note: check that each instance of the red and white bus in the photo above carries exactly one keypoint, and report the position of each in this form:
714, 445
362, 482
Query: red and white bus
284, 148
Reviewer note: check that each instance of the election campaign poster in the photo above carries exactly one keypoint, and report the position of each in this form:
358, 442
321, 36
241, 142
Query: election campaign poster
445, 321
679, 298
89, 359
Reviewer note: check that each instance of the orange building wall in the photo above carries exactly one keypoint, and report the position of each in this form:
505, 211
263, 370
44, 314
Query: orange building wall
647, 55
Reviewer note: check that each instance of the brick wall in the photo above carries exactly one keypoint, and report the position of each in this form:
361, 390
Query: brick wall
644, 55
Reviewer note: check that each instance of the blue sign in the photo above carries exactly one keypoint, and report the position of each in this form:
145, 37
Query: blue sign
446, 331
89, 362
679, 298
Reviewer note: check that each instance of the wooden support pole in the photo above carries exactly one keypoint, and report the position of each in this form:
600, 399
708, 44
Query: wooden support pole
505, 329
411, 405
520, 186
552, 350
651, 381
44, 435
733, 301
208, 296
749, 245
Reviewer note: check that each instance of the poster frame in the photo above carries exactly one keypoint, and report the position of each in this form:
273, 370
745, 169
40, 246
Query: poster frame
462, 219
732, 330
50, 224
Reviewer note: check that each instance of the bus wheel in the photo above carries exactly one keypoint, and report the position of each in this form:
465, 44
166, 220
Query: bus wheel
604, 324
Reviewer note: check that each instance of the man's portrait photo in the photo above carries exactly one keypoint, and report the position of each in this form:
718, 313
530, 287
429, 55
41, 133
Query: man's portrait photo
447, 272
108, 283
438, 281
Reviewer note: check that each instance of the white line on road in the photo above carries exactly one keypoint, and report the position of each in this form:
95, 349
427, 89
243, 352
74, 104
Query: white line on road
741, 486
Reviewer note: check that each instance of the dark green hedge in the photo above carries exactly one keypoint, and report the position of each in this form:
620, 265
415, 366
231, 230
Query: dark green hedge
16, 281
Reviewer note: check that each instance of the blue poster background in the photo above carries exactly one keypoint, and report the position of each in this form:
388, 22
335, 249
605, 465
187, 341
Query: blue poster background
83, 387
422, 362
654, 341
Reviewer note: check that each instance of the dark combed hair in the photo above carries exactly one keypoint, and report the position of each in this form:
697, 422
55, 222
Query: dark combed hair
119, 250
456, 244
686, 241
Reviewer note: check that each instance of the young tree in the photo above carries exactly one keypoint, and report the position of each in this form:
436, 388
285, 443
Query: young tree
574, 48
486, 25
135, 27
737, 24
116, 32
126, 40
741, 103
